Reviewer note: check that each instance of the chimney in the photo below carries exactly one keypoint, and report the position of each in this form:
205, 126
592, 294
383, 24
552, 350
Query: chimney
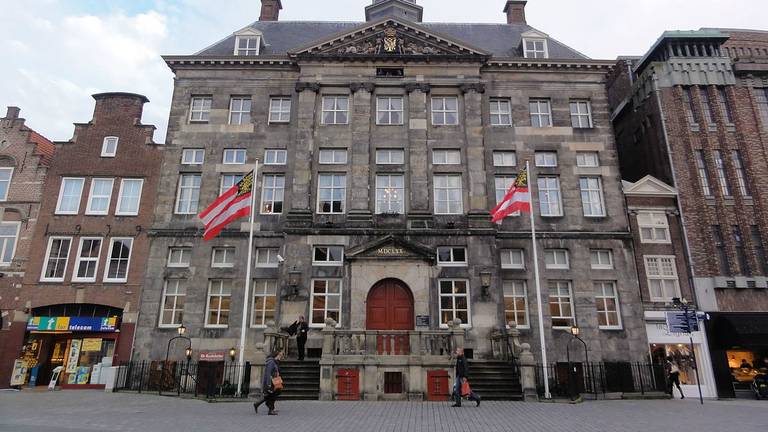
515, 10
13, 113
270, 10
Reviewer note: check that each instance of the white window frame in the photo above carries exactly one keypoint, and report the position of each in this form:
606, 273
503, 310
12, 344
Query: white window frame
535, 52
233, 156
390, 195
323, 154
5, 240
191, 209
596, 259
389, 159
545, 159
592, 198
557, 264
79, 259
179, 264
325, 309
540, 110
332, 188
335, 110
513, 294
221, 295
194, 152
181, 292
504, 158
389, 111
435, 189
263, 288
547, 192
105, 146
273, 156
673, 277
120, 196
446, 157
269, 252
227, 251
581, 117
272, 187
201, 114
500, 112
64, 180
653, 220
223, 184
108, 262
440, 114
602, 296
277, 110
248, 50
453, 296
10, 170
89, 206
241, 114
452, 261
559, 302
588, 159
328, 262
507, 259
48, 257
502, 184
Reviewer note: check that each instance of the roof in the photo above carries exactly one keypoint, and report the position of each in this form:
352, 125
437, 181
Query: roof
676, 34
43, 147
282, 37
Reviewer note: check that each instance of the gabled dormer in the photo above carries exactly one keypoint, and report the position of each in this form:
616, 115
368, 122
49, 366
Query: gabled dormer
248, 42
534, 45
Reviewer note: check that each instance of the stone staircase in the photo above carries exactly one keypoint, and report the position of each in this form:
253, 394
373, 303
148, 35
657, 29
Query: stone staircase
495, 380
301, 379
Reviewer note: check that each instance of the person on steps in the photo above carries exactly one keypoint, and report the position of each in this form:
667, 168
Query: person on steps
462, 374
270, 393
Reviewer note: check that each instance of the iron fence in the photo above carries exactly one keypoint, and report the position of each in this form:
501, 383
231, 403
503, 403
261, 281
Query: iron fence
212, 380
568, 380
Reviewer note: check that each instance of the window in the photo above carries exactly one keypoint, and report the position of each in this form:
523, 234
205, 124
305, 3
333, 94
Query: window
757, 242
275, 157
535, 48
100, 196
725, 106
452, 257
109, 147
5, 182
9, 233
192, 156
550, 201
390, 157
513, 259
541, 114
119, 260
561, 304
228, 181
690, 112
239, 110
335, 110
546, 159
701, 169
179, 256
587, 160
57, 256
722, 256
741, 175
504, 159
172, 312
390, 194
654, 227
218, 306
592, 196
328, 256
741, 255
581, 114
223, 257
454, 302
722, 177
200, 110
87, 261
325, 302
761, 96
661, 272
272, 194
556, 259
448, 199
501, 112
267, 257
234, 157
709, 110
247, 45
601, 259
188, 195
502, 185
607, 301
264, 302
280, 110
389, 111
445, 111
129, 197
516, 303
446, 157
332, 194
333, 157
69, 196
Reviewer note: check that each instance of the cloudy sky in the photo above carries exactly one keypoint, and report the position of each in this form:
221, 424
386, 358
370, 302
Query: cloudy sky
56, 53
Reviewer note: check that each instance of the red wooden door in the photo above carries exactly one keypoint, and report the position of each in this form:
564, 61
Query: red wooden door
348, 384
437, 385
390, 307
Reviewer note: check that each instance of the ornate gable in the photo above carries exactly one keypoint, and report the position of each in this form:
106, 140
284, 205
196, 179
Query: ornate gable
390, 37
649, 186
391, 247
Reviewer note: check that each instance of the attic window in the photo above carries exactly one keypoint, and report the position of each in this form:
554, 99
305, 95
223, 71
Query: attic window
535, 48
247, 45
390, 72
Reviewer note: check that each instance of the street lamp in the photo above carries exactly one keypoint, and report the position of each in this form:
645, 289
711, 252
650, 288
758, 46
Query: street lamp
181, 330
685, 307
575, 331
232, 353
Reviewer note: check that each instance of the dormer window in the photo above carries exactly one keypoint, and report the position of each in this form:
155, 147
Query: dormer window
247, 45
109, 147
535, 48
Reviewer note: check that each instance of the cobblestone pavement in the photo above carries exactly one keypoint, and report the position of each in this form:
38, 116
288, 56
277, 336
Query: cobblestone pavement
97, 411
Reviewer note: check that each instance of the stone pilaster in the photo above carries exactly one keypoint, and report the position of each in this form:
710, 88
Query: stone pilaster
300, 212
478, 192
360, 213
418, 149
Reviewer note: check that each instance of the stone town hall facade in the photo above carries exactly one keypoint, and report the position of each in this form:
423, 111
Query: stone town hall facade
382, 145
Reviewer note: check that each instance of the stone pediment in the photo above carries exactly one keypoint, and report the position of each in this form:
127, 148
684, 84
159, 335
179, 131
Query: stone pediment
390, 37
649, 186
391, 247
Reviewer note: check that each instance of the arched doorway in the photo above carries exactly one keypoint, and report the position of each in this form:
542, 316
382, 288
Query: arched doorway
389, 306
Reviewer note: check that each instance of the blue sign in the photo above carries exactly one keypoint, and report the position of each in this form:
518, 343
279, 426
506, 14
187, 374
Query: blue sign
677, 322
84, 324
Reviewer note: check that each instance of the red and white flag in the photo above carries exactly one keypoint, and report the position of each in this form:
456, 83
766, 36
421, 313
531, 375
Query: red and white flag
231, 205
517, 199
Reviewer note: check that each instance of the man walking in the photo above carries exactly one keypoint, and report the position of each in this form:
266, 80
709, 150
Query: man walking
462, 375
673, 377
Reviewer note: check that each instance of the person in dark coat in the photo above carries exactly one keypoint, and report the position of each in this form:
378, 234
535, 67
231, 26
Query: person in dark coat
270, 394
462, 374
302, 329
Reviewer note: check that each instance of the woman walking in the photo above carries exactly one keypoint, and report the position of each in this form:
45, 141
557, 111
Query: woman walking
272, 383
673, 376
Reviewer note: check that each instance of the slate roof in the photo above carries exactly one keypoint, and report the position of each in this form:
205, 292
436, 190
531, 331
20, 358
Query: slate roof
501, 40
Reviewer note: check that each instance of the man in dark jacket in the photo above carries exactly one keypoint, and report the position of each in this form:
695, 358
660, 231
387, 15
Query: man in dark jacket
462, 374
270, 394
302, 329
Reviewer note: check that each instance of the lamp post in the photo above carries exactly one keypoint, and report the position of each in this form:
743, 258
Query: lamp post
685, 307
575, 331
181, 330
232, 352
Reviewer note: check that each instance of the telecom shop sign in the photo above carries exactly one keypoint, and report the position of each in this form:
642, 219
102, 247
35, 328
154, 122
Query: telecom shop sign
677, 322
79, 324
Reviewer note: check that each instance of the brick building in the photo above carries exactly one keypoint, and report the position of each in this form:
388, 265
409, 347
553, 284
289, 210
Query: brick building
693, 112
25, 156
82, 289
382, 146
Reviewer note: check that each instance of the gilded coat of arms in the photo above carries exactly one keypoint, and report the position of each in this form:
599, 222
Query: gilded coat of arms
390, 40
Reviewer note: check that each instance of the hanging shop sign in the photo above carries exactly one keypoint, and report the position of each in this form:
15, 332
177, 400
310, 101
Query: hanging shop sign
86, 324
91, 345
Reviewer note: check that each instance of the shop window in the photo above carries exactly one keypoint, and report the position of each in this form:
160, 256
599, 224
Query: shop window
680, 355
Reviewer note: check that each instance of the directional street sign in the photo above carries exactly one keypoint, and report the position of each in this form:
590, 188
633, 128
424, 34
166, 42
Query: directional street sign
677, 323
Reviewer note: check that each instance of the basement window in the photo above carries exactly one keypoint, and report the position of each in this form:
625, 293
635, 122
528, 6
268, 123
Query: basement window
390, 72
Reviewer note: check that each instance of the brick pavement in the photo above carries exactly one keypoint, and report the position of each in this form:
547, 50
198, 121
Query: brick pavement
96, 411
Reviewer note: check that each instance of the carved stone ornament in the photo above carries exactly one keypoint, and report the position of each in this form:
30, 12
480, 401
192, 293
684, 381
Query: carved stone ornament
301, 86
390, 42
422, 87
477, 88
355, 87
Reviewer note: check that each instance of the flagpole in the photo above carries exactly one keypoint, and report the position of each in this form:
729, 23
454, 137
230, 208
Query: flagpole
539, 305
247, 291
